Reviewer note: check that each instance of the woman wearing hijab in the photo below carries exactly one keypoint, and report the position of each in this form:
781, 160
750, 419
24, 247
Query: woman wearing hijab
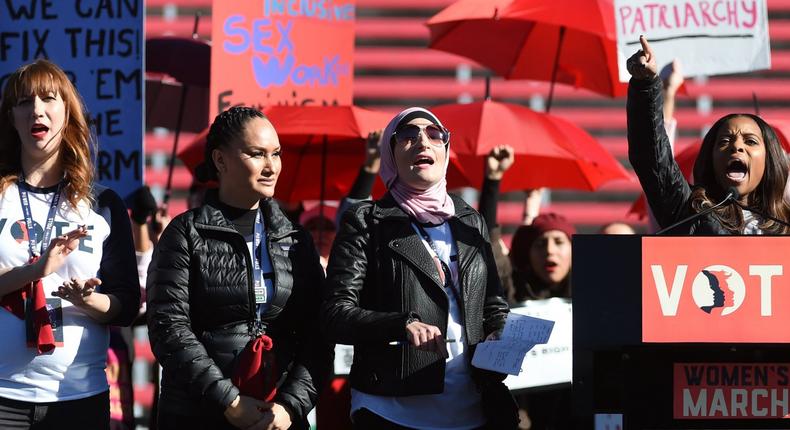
412, 284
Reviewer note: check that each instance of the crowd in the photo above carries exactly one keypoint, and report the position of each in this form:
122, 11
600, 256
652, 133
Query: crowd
243, 305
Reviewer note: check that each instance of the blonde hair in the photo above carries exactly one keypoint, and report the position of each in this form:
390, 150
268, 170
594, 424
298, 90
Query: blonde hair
42, 77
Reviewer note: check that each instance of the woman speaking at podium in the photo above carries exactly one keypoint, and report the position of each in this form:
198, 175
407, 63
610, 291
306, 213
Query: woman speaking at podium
739, 175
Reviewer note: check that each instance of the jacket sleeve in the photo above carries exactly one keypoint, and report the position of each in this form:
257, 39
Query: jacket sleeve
489, 194
650, 154
173, 342
495, 308
310, 369
117, 269
342, 316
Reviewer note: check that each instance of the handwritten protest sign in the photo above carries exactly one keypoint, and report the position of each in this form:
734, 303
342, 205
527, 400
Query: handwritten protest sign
278, 52
709, 37
98, 43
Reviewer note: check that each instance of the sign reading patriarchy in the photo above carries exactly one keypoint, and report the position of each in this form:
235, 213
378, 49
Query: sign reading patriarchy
281, 52
709, 37
715, 289
99, 45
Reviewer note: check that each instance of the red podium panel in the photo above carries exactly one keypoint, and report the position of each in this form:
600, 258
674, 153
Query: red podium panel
715, 289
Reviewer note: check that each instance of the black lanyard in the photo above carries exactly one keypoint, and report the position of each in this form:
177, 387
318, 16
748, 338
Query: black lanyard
31, 231
257, 262
448, 278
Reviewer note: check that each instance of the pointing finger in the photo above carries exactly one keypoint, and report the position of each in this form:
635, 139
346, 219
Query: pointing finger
646, 48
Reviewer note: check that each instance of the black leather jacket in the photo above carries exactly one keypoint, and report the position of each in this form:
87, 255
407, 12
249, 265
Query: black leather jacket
649, 152
201, 305
380, 275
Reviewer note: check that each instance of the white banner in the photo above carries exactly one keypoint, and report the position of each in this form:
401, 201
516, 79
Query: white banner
709, 37
550, 363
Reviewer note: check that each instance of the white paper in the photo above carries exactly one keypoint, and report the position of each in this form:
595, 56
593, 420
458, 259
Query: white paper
708, 37
521, 334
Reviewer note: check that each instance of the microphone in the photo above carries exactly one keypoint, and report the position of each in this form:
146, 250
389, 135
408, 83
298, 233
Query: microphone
761, 213
732, 195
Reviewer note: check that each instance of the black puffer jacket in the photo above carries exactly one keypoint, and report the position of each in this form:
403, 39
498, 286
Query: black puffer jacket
380, 275
201, 304
667, 191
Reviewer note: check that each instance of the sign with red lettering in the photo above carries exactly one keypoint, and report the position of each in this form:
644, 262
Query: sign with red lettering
715, 289
709, 37
281, 52
731, 390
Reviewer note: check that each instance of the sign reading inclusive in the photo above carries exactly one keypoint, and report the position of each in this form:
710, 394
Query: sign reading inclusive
715, 289
709, 37
282, 52
99, 45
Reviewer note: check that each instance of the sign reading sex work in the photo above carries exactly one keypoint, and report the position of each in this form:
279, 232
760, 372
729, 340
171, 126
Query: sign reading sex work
715, 289
99, 45
709, 37
282, 52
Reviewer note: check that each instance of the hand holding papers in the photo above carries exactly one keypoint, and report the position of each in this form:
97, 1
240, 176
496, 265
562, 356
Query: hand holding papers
521, 334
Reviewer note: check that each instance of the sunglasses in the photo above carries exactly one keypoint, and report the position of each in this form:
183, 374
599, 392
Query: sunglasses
410, 133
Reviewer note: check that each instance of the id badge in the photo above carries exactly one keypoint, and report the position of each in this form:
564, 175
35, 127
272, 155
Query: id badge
260, 293
55, 311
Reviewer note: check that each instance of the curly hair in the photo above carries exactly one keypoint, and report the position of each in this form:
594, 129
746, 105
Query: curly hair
768, 197
227, 127
40, 78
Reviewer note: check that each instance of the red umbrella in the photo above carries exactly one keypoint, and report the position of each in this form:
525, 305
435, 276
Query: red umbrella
550, 151
688, 156
181, 105
568, 41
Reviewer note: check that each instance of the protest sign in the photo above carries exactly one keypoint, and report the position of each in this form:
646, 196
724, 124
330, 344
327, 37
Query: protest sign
709, 37
99, 45
278, 52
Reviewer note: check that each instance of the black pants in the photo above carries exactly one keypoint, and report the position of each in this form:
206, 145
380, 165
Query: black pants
364, 419
170, 421
88, 413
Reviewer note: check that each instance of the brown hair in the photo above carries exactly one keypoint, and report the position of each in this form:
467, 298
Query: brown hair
40, 78
768, 197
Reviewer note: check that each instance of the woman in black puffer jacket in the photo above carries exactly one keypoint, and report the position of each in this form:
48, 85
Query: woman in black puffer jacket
204, 304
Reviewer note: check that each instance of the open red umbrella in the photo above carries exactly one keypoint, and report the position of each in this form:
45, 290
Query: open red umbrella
688, 156
550, 151
178, 75
568, 41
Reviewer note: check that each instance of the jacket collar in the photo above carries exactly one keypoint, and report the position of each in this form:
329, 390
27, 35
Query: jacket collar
277, 224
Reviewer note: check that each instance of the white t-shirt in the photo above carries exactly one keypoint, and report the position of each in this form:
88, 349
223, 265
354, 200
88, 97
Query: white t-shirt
459, 406
75, 370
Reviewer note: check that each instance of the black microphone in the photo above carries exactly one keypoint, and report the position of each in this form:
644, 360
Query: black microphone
761, 213
732, 195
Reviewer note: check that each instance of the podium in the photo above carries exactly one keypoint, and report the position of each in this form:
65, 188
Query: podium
681, 332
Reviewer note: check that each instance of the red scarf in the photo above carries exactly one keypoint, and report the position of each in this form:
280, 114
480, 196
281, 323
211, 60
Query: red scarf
14, 302
256, 370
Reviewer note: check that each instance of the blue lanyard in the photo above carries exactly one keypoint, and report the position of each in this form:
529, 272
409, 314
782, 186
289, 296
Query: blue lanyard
257, 265
31, 231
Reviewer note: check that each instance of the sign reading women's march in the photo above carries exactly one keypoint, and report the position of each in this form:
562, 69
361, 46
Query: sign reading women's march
282, 52
709, 37
99, 45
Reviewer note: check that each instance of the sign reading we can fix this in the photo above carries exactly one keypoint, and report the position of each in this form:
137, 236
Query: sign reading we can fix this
709, 37
715, 289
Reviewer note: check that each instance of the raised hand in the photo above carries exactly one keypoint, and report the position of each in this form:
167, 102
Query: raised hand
372, 152
642, 65
498, 160
59, 248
